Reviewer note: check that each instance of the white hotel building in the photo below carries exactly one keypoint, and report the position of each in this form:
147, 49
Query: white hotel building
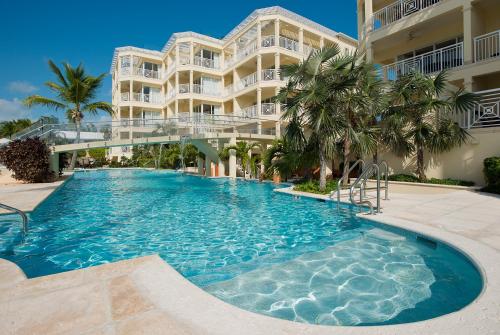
195, 74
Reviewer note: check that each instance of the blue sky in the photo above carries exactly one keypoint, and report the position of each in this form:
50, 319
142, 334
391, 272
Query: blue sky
31, 32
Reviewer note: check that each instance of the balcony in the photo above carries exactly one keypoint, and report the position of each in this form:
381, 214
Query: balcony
141, 97
184, 88
398, 11
246, 81
206, 62
140, 122
200, 89
270, 74
434, 61
267, 109
140, 72
486, 112
289, 44
487, 46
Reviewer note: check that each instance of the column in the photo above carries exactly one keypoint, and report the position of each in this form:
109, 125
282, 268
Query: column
259, 101
177, 54
176, 82
277, 62
191, 116
259, 34
191, 52
369, 51
301, 40
232, 159
176, 107
277, 32
130, 123
368, 15
259, 68
259, 127
191, 81
54, 163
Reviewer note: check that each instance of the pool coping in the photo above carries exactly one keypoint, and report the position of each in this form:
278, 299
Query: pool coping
205, 313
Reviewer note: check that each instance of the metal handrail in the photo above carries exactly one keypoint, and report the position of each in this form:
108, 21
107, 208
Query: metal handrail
21, 213
362, 178
386, 178
359, 161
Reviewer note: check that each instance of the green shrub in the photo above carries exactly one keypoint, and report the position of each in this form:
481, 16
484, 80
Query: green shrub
413, 179
492, 174
404, 177
28, 160
312, 186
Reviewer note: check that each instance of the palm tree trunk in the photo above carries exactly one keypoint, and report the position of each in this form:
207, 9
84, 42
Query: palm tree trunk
74, 157
347, 154
420, 164
322, 167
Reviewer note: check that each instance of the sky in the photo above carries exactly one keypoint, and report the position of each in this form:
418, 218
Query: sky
87, 31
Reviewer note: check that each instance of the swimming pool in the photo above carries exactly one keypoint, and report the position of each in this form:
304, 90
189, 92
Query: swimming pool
296, 259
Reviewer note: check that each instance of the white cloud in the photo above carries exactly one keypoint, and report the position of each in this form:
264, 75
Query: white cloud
19, 86
13, 109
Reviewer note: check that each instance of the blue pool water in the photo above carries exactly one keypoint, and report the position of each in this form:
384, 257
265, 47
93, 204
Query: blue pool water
297, 259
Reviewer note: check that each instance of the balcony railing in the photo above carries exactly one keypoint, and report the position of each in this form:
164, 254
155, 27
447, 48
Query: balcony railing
486, 112
247, 81
200, 89
289, 44
170, 94
309, 49
430, 62
228, 90
487, 46
140, 122
125, 96
270, 74
268, 41
206, 62
250, 111
184, 88
397, 11
140, 72
148, 98
268, 109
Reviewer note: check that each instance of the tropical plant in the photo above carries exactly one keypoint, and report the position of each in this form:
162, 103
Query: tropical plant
311, 101
9, 128
28, 159
281, 158
417, 117
492, 174
75, 92
242, 149
356, 113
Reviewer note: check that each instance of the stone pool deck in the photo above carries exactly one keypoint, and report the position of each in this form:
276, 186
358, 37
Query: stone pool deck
147, 296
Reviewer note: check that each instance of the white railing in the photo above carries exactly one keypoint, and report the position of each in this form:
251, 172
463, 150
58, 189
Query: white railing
148, 98
486, 112
268, 41
430, 62
206, 62
140, 72
147, 73
289, 44
184, 60
170, 70
250, 111
268, 109
200, 89
397, 11
247, 81
140, 122
270, 74
244, 52
125, 96
487, 46
183, 88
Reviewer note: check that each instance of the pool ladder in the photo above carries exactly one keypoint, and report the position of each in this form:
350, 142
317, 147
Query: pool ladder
20, 212
360, 183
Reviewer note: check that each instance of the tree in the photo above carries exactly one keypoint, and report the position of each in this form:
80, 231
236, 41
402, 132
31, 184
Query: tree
9, 128
243, 149
357, 111
75, 92
311, 99
417, 117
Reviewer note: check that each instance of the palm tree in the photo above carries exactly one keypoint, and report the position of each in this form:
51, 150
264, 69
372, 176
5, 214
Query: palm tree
311, 99
75, 91
281, 158
9, 128
417, 117
357, 111
243, 149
